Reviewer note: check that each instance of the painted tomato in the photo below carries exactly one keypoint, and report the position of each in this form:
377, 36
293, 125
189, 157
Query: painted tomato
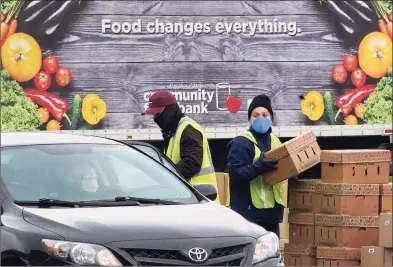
350, 62
63, 76
375, 54
233, 103
53, 125
358, 77
42, 81
51, 64
21, 56
339, 73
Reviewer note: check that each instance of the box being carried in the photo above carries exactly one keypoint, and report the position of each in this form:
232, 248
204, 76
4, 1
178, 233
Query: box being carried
348, 199
294, 156
338, 256
355, 166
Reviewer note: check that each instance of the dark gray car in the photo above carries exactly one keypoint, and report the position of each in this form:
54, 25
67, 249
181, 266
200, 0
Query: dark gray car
79, 200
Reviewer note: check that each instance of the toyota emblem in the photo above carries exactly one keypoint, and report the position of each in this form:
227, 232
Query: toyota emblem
198, 254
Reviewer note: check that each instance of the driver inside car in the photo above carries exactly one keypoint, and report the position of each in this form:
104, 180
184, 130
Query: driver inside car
75, 183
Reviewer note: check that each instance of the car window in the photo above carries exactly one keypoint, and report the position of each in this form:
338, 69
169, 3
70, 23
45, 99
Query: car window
170, 166
148, 150
123, 172
85, 172
153, 153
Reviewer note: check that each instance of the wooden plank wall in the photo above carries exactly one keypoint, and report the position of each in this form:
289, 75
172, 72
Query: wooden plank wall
121, 68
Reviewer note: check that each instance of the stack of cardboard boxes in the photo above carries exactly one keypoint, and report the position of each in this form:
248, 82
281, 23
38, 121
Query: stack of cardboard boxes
341, 219
331, 219
300, 251
348, 204
381, 255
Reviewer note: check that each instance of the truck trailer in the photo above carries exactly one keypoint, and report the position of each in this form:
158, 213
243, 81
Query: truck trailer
91, 66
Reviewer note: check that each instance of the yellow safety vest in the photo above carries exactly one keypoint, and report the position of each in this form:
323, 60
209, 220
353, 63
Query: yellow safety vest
264, 196
207, 173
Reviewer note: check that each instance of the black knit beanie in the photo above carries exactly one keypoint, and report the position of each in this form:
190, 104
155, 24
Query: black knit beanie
260, 101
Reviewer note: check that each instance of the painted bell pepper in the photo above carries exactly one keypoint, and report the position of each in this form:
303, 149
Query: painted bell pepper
54, 104
313, 105
350, 99
93, 109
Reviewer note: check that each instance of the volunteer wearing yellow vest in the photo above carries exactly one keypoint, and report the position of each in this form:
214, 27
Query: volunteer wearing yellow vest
249, 196
185, 140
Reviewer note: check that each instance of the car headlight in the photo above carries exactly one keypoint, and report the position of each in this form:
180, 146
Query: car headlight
266, 247
81, 253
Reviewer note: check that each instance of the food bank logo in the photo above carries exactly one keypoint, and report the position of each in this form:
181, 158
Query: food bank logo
195, 98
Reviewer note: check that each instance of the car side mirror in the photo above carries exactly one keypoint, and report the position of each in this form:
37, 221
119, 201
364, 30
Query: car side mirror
207, 190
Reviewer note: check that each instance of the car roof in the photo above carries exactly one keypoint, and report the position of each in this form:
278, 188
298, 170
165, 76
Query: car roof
51, 138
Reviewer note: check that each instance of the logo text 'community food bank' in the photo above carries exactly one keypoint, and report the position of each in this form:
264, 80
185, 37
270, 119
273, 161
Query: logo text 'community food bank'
194, 98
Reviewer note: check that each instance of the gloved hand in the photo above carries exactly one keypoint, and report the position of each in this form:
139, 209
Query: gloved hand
266, 165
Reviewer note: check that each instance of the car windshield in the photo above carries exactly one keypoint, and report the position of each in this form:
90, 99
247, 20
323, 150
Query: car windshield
87, 172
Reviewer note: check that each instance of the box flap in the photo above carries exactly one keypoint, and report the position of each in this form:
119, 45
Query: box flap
301, 218
290, 146
348, 189
346, 221
355, 156
299, 249
308, 185
339, 253
386, 189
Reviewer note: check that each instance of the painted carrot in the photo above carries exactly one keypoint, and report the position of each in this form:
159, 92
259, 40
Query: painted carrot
4, 31
12, 27
389, 29
2, 17
391, 16
382, 26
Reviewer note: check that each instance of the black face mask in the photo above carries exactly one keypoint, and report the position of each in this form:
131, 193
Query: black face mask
167, 117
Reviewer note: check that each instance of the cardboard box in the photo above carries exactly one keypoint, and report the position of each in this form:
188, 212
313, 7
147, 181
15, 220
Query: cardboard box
346, 231
338, 256
376, 256
348, 199
301, 228
299, 255
222, 184
284, 226
302, 201
294, 156
355, 166
388, 259
385, 230
302, 195
304, 185
386, 199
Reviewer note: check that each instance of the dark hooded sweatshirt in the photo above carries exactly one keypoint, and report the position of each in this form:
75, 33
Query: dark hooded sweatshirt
191, 143
242, 171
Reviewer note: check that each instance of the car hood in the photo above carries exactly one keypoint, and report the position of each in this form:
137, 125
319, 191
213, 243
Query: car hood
108, 224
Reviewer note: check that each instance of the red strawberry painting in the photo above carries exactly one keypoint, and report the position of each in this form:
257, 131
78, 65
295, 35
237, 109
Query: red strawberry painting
233, 102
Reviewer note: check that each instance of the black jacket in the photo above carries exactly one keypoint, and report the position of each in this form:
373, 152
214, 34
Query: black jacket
191, 148
242, 170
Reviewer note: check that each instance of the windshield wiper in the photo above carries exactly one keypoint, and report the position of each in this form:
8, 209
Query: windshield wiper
147, 200
48, 202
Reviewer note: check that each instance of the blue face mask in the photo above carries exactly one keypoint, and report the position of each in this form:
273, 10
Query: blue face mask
261, 125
